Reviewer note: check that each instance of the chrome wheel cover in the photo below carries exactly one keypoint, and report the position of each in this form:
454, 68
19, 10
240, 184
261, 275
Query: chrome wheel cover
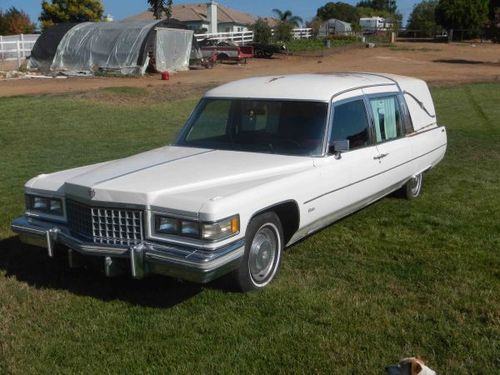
264, 254
415, 184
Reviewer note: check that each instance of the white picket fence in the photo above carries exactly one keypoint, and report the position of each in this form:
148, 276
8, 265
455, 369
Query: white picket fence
304, 33
244, 37
241, 37
17, 47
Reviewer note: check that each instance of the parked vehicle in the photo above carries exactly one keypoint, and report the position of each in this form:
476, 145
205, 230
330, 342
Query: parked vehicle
225, 51
260, 164
267, 51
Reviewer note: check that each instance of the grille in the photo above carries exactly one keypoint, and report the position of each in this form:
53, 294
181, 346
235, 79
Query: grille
110, 226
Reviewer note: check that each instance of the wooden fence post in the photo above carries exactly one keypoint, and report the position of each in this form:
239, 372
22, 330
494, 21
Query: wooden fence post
18, 45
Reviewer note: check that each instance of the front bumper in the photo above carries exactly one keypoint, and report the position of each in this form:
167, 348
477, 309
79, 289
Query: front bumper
191, 264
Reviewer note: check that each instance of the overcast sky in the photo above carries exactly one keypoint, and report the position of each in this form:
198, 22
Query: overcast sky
120, 9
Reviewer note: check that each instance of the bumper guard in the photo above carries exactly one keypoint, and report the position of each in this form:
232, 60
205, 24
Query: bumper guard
186, 263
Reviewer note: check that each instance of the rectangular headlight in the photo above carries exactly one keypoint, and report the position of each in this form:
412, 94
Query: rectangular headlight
221, 229
173, 226
166, 225
44, 205
190, 229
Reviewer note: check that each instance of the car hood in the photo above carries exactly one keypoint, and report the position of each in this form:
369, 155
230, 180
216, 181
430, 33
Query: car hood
175, 177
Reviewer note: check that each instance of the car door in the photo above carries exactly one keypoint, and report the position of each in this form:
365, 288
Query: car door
390, 126
345, 182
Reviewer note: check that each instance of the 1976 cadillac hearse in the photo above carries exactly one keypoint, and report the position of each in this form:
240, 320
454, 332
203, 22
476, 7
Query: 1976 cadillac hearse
260, 164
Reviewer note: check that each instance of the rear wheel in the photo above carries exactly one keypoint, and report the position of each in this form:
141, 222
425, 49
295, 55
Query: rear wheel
413, 187
263, 248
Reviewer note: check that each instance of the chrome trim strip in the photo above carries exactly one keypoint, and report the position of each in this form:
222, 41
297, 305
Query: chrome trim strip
374, 175
175, 213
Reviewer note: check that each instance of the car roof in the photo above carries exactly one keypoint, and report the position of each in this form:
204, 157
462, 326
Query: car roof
319, 87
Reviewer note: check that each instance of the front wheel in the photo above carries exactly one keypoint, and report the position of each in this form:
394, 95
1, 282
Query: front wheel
413, 187
263, 248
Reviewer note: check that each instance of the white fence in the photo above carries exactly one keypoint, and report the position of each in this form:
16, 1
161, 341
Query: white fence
237, 37
248, 36
305, 33
17, 47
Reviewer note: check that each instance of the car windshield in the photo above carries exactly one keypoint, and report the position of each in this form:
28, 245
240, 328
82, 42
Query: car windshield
260, 125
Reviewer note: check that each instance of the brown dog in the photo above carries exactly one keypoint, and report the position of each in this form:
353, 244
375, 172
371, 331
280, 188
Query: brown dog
410, 366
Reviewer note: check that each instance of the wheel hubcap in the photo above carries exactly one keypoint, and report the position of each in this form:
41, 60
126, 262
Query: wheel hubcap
415, 184
263, 253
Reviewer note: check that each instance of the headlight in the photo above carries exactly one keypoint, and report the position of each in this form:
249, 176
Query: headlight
44, 205
219, 230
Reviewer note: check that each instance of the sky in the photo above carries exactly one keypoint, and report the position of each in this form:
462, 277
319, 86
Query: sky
120, 9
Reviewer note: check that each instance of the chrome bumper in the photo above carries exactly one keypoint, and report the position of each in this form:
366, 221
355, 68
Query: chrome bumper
191, 264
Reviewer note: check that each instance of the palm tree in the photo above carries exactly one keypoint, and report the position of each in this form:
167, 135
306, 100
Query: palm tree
287, 16
158, 7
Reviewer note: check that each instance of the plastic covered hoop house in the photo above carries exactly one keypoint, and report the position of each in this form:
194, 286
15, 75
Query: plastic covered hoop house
122, 47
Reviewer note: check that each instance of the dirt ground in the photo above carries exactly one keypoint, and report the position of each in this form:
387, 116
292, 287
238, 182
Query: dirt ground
439, 64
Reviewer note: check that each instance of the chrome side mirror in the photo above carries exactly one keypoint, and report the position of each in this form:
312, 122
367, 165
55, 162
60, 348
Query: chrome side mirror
337, 147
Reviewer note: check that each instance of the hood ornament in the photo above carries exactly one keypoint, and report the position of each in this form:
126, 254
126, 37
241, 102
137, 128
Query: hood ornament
91, 193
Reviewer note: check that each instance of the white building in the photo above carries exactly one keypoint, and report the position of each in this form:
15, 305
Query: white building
375, 24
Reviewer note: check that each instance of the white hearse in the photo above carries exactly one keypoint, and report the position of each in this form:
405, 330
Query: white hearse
260, 164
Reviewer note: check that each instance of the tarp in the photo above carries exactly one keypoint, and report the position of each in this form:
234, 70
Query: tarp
97, 46
45, 48
173, 49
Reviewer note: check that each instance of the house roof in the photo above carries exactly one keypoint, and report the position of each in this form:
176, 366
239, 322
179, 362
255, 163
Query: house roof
198, 13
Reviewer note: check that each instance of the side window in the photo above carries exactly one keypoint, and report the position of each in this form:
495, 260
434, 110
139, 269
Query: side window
350, 122
212, 122
387, 118
407, 122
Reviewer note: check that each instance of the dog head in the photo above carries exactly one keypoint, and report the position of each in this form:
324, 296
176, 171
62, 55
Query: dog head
410, 366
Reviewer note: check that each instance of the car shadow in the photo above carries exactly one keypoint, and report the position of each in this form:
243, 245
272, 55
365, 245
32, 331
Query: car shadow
31, 265
466, 62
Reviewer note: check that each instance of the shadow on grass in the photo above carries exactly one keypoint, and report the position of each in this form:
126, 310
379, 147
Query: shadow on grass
32, 265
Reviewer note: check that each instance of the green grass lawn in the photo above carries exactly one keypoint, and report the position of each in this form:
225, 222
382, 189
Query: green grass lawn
399, 278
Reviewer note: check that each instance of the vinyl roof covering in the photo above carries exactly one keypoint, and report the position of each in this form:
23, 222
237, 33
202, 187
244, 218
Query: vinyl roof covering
319, 87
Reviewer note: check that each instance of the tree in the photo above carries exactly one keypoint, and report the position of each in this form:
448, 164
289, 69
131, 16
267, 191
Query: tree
422, 18
3, 23
389, 5
494, 10
15, 21
315, 25
160, 7
283, 31
469, 15
339, 10
262, 31
287, 16
58, 11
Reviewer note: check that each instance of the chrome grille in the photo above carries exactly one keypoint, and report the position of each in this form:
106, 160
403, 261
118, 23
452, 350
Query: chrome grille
109, 226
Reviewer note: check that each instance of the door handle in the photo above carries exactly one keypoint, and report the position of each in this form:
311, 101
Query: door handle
381, 156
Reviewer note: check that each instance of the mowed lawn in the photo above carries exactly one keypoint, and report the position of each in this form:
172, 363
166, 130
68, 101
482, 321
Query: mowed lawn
399, 278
